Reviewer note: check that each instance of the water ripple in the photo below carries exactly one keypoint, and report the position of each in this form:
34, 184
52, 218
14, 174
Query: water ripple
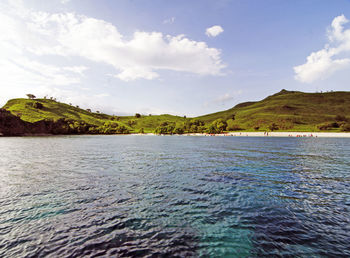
130, 196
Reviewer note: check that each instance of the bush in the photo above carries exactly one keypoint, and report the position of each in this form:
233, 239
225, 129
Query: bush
137, 115
141, 130
212, 129
234, 127
328, 126
273, 127
132, 123
340, 118
38, 105
345, 127
178, 130
220, 125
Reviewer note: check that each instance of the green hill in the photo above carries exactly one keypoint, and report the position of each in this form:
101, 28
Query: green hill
284, 111
28, 111
289, 111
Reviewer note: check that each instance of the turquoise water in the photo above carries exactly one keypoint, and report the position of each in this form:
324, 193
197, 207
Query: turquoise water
75, 196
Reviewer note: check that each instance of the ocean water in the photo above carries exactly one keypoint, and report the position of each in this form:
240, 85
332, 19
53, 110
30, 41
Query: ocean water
178, 196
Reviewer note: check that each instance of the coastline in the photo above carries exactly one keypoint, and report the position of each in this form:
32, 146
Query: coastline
232, 134
269, 134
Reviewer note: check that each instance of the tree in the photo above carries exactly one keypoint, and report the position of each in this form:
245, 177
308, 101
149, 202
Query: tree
137, 115
178, 130
88, 110
273, 127
220, 124
31, 96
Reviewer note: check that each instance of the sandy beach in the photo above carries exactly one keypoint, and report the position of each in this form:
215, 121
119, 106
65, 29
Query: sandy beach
270, 134
279, 134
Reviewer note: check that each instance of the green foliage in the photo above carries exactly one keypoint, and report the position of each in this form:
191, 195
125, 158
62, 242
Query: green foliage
178, 130
38, 105
328, 126
340, 118
165, 127
220, 125
295, 111
31, 96
110, 127
234, 127
290, 110
132, 123
273, 127
345, 127
142, 130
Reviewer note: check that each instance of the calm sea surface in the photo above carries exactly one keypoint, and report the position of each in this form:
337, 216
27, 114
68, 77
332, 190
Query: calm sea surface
174, 196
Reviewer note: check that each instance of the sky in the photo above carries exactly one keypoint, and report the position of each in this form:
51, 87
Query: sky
171, 57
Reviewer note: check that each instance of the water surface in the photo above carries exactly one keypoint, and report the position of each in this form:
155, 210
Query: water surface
174, 196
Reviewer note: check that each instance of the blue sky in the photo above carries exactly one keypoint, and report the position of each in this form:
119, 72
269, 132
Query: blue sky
179, 57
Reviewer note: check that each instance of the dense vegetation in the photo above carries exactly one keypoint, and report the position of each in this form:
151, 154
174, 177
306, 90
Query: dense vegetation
284, 111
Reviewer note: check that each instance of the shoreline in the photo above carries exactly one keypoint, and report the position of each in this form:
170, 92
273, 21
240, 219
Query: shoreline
232, 134
268, 134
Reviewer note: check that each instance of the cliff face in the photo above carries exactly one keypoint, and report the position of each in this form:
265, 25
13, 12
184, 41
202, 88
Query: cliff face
11, 125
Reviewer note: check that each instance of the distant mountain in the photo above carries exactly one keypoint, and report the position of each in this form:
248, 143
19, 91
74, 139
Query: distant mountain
285, 110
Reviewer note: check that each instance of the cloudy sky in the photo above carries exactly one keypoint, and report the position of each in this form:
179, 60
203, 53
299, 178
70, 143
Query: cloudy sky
180, 57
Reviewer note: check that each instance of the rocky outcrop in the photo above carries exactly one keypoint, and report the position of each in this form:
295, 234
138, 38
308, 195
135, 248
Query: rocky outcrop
11, 125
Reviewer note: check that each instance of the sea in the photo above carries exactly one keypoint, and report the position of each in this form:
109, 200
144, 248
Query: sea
174, 196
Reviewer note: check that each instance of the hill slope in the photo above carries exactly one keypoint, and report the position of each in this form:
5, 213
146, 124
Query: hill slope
28, 111
289, 110
286, 111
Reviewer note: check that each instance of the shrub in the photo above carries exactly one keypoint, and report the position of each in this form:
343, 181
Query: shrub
345, 127
220, 125
234, 127
132, 122
38, 105
340, 118
328, 126
212, 129
141, 130
137, 115
178, 130
273, 127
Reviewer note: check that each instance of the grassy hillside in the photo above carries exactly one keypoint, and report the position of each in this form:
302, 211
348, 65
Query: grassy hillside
284, 111
53, 110
289, 110
24, 108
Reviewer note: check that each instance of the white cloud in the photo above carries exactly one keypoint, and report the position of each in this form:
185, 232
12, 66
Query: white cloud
333, 57
227, 97
224, 99
141, 56
214, 31
76, 69
65, 1
169, 21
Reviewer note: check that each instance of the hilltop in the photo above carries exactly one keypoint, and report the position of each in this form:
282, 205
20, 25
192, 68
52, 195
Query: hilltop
283, 111
289, 111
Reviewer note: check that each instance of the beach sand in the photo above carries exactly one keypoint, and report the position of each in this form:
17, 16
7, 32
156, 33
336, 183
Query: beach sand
269, 134
278, 134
